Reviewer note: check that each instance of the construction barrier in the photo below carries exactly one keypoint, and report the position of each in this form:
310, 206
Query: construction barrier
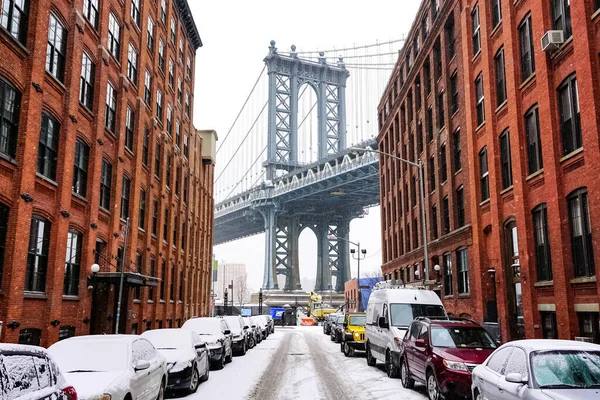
307, 322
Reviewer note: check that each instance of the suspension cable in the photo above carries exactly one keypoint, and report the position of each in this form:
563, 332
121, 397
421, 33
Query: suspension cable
402, 39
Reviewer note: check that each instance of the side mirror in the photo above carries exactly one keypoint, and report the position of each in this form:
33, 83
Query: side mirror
246, 327
382, 323
142, 365
254, 326
420, 343
345, 325
515, 377
498, 343
226, 332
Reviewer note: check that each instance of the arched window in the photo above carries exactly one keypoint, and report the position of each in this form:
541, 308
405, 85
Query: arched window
37, 260
581, 233
72, 263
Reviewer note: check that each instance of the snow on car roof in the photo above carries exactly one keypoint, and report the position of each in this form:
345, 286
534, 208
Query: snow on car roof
553, 344
117, 338
6, 347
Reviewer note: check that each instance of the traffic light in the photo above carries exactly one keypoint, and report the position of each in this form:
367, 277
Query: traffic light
225, 302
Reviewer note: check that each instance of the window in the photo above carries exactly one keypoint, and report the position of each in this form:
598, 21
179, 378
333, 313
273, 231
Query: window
450, 38
135, 11
443, 164
186, 147
157, 171
169, 120
448, 290
30, 336
479, 99
434, 223
498, 360
172, 286
526, 48
419, 137
80, 170
549, 327
139, 267
163, 278
415, 233
161, 55
431, 174
154, 217
151, 288
148, 88
173, 29
181, 49
496, 13
86, 89
125, 198
189, 68
171, 73
460, 207
142, 213
462, 267
588, 325
159, 105
440, 105
129, 128
166, 225
185, 188
132, 64
145, 145
150, 30
178, 134
56, 49
114, 36
175, 230
48, 147
72, 263
177, 175
430, 124
413, 191
596, 5
179, 91
169, 162
424, 27
187, 105
517, 363
581, 233
542, 246
475, 29
163, 11
500, 77
10, 103
484, 178
570, 124
561, 17
14, 18
505, 159
534, 141
66, 332
4, 212
457, 151
111, 108
105, 185
427, 76
437, 59
37, 258
180, 291
454, 91
446, 211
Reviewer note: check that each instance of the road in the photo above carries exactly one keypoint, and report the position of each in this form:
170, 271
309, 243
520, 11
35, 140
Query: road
298, 363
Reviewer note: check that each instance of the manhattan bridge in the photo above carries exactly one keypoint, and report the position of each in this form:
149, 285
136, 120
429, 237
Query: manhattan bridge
287, 164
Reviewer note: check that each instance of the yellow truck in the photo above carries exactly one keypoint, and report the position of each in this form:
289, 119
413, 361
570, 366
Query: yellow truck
353, 337
316, 308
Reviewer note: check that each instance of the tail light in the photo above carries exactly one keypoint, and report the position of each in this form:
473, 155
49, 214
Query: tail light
70, 392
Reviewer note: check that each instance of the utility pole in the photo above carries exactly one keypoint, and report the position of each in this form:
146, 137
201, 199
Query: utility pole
122, 276
360, 255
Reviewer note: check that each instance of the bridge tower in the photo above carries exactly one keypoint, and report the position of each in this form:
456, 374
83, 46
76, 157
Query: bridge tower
287, 73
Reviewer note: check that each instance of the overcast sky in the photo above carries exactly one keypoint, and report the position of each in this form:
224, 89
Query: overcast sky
236, 36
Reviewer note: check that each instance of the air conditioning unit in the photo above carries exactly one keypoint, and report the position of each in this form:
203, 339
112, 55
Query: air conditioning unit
584, 339
552, 40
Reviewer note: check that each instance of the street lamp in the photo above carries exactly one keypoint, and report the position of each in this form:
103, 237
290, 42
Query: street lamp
418, 165
95, 268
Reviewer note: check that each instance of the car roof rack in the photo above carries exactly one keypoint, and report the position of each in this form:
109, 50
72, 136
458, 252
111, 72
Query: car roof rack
463, 319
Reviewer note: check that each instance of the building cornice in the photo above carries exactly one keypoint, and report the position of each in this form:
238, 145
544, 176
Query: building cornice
188, 20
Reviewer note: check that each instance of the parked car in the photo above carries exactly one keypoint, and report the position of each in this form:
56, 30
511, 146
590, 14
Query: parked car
188, 360
258, 328
353, 333
217, 335
29, 372
337, 329
327, 323
442, 354
264, 325
389, 313
271, 323
118, 366
250, 332
539, 369
238, 332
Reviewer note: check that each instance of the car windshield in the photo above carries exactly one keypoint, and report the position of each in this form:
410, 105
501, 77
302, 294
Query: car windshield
90, 356
403, 314
358, 320
204, 326
557, 369
461, 337
168, 339
340, 319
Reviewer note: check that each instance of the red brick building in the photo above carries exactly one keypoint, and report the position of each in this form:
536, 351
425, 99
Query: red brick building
97, 130
529, 142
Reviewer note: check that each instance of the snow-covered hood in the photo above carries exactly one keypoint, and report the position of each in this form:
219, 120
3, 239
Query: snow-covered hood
571, 394
90, 384
175, 355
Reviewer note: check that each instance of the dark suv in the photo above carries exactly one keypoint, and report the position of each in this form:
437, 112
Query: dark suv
442, 354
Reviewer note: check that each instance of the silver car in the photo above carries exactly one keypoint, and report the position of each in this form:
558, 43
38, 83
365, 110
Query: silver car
539, 369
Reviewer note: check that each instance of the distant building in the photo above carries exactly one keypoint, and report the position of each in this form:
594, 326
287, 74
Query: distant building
355, 302
228, 272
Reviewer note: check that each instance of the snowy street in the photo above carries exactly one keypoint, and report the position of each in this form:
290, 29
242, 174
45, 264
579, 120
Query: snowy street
302, 363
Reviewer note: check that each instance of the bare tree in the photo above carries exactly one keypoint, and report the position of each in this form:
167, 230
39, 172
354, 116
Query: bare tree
241, 289
372, 274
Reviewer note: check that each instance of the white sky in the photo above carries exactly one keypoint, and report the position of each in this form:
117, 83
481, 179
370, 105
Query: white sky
236, 36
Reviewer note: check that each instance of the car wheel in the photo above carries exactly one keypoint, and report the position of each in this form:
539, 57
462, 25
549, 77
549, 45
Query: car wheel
194, 381
390, 368
371, 361
347, 349
407, 381
433, 390
244, 349
229, 358
207, 373
161, 391
220, 363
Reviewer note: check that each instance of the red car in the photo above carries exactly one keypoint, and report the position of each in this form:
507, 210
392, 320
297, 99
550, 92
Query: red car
442, 354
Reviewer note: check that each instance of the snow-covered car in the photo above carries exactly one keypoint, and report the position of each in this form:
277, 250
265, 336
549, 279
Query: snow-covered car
29, 372
112, 367
257, 329
236, 326
217, 335
251, 332
263, 323
271, 323
188, 360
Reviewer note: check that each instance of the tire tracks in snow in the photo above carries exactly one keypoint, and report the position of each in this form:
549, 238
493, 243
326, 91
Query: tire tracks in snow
268, 385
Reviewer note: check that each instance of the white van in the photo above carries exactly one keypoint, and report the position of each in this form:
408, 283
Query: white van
390, 311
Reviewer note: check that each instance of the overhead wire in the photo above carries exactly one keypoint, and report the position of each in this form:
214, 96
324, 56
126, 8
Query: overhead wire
376, 44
